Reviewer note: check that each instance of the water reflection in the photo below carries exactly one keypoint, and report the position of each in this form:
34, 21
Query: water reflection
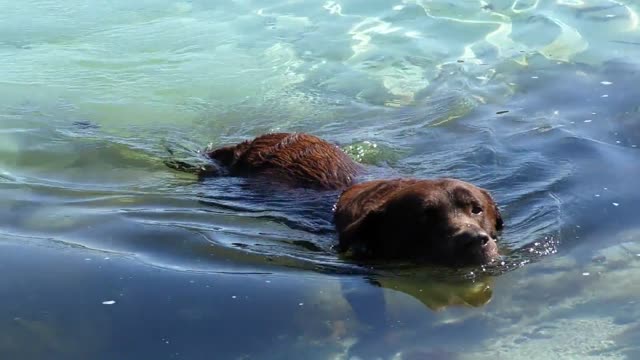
432, 288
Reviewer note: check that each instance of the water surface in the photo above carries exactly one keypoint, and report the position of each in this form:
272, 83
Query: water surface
106, 253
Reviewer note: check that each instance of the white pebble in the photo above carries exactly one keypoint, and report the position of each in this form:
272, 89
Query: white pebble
588, 121
398, 7
605, 96
616, 204
233, 297
534, 77
606, 82
585, 274
300, 304
108, 302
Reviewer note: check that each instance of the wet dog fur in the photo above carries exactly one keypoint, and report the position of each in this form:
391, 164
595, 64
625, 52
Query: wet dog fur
297, 159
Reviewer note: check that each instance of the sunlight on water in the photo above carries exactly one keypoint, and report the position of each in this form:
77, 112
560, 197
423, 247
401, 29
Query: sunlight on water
175, 61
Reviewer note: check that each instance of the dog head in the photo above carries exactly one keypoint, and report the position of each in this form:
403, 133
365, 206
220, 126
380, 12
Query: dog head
442, 221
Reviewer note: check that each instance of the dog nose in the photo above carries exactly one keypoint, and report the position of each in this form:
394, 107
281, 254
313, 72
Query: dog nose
474, 238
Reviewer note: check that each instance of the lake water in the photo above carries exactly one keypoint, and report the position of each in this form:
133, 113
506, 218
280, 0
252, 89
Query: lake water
108, 254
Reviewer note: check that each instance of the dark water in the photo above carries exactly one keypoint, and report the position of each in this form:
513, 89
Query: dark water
108, 254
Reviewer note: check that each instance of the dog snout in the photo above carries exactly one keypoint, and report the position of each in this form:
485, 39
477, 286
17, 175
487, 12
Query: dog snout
473, 238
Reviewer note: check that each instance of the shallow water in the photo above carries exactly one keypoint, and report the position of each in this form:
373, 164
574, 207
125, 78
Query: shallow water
106, 253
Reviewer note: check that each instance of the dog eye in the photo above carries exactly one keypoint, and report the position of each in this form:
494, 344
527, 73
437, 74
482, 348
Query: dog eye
476, 209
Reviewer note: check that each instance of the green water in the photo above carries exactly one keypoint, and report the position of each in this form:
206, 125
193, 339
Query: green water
108, 254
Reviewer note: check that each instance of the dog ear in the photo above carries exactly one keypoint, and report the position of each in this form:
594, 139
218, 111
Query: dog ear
499, 223
359, 236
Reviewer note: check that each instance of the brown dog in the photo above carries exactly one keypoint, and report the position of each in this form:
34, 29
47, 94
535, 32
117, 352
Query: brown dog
444, 221
297, 159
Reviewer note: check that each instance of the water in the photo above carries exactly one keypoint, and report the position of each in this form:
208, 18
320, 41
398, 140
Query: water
106, 253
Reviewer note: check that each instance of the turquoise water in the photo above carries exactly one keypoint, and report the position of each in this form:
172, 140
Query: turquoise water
108, 254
